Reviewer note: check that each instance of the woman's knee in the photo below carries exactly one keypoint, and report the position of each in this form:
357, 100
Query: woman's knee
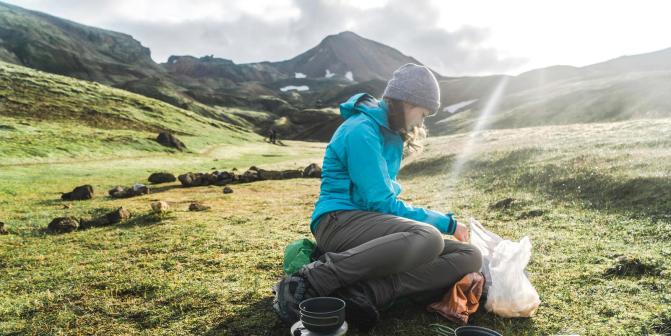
431, 240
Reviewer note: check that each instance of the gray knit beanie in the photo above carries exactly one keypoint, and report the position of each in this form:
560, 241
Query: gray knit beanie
414, 84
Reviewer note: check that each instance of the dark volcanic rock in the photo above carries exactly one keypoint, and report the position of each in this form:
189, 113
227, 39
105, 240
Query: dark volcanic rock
169, 140
252, 174
122, 192
531, 213
313, 170
204, 179
63, 224
256, 174
119, 215
162, 177
197, 206
630, 266
223, 178
196, 179
193, 179
292, 173
2, 229
265, 174
503, 204
228, 190
82, 192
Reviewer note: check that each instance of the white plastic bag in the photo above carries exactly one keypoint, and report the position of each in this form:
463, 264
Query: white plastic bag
509, 292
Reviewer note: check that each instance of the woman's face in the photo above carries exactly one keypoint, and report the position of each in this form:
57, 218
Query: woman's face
414, 115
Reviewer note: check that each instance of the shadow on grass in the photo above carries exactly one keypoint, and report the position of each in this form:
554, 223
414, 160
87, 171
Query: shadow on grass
144, 219
154, 189
58, 201
413, 310
256, 318
660, 323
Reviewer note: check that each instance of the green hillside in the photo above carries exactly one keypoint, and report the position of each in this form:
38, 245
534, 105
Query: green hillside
541, 101
46, 117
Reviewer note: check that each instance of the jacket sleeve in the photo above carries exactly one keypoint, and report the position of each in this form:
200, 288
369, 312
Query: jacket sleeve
368, 171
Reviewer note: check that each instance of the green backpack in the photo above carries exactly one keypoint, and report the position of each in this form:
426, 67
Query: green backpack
297, 254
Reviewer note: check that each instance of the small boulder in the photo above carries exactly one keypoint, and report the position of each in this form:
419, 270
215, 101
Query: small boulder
197, 179
251, 175
117, 216
63, 224
531, 214
228, 190
503, 204
267, 174
313, 170
197, 206
3, 231
80, 193
116, 191
224, 177
136, 190
160, 206
162, 177
292, 173
187, 180
139, 189
632, 266
169, 140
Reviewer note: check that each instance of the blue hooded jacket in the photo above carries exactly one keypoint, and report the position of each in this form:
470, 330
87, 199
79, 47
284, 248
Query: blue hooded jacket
360, 166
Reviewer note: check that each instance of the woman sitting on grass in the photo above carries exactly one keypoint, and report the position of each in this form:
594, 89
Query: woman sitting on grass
377, 247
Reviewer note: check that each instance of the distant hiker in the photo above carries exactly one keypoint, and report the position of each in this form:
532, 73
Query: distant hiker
272, 136
376, 247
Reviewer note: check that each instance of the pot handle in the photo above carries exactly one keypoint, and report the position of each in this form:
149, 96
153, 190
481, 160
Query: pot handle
335, 319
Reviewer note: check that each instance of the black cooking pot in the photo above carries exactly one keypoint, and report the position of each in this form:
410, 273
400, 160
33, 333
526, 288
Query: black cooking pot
322, 314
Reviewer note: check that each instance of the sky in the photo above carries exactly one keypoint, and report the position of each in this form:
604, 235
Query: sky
455, 38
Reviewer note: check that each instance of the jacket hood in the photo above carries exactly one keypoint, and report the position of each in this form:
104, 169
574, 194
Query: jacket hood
368, 105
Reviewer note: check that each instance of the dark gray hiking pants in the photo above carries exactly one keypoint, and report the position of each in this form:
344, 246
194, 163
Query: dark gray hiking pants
393, 256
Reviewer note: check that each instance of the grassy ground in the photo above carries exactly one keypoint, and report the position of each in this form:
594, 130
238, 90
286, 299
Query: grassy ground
600, 191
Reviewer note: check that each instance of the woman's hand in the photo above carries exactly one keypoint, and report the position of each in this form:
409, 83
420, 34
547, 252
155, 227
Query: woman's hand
461, 233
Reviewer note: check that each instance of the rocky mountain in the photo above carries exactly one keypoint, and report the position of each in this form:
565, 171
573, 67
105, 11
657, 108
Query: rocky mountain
59, 46
347, 55
322, 76
298, 96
